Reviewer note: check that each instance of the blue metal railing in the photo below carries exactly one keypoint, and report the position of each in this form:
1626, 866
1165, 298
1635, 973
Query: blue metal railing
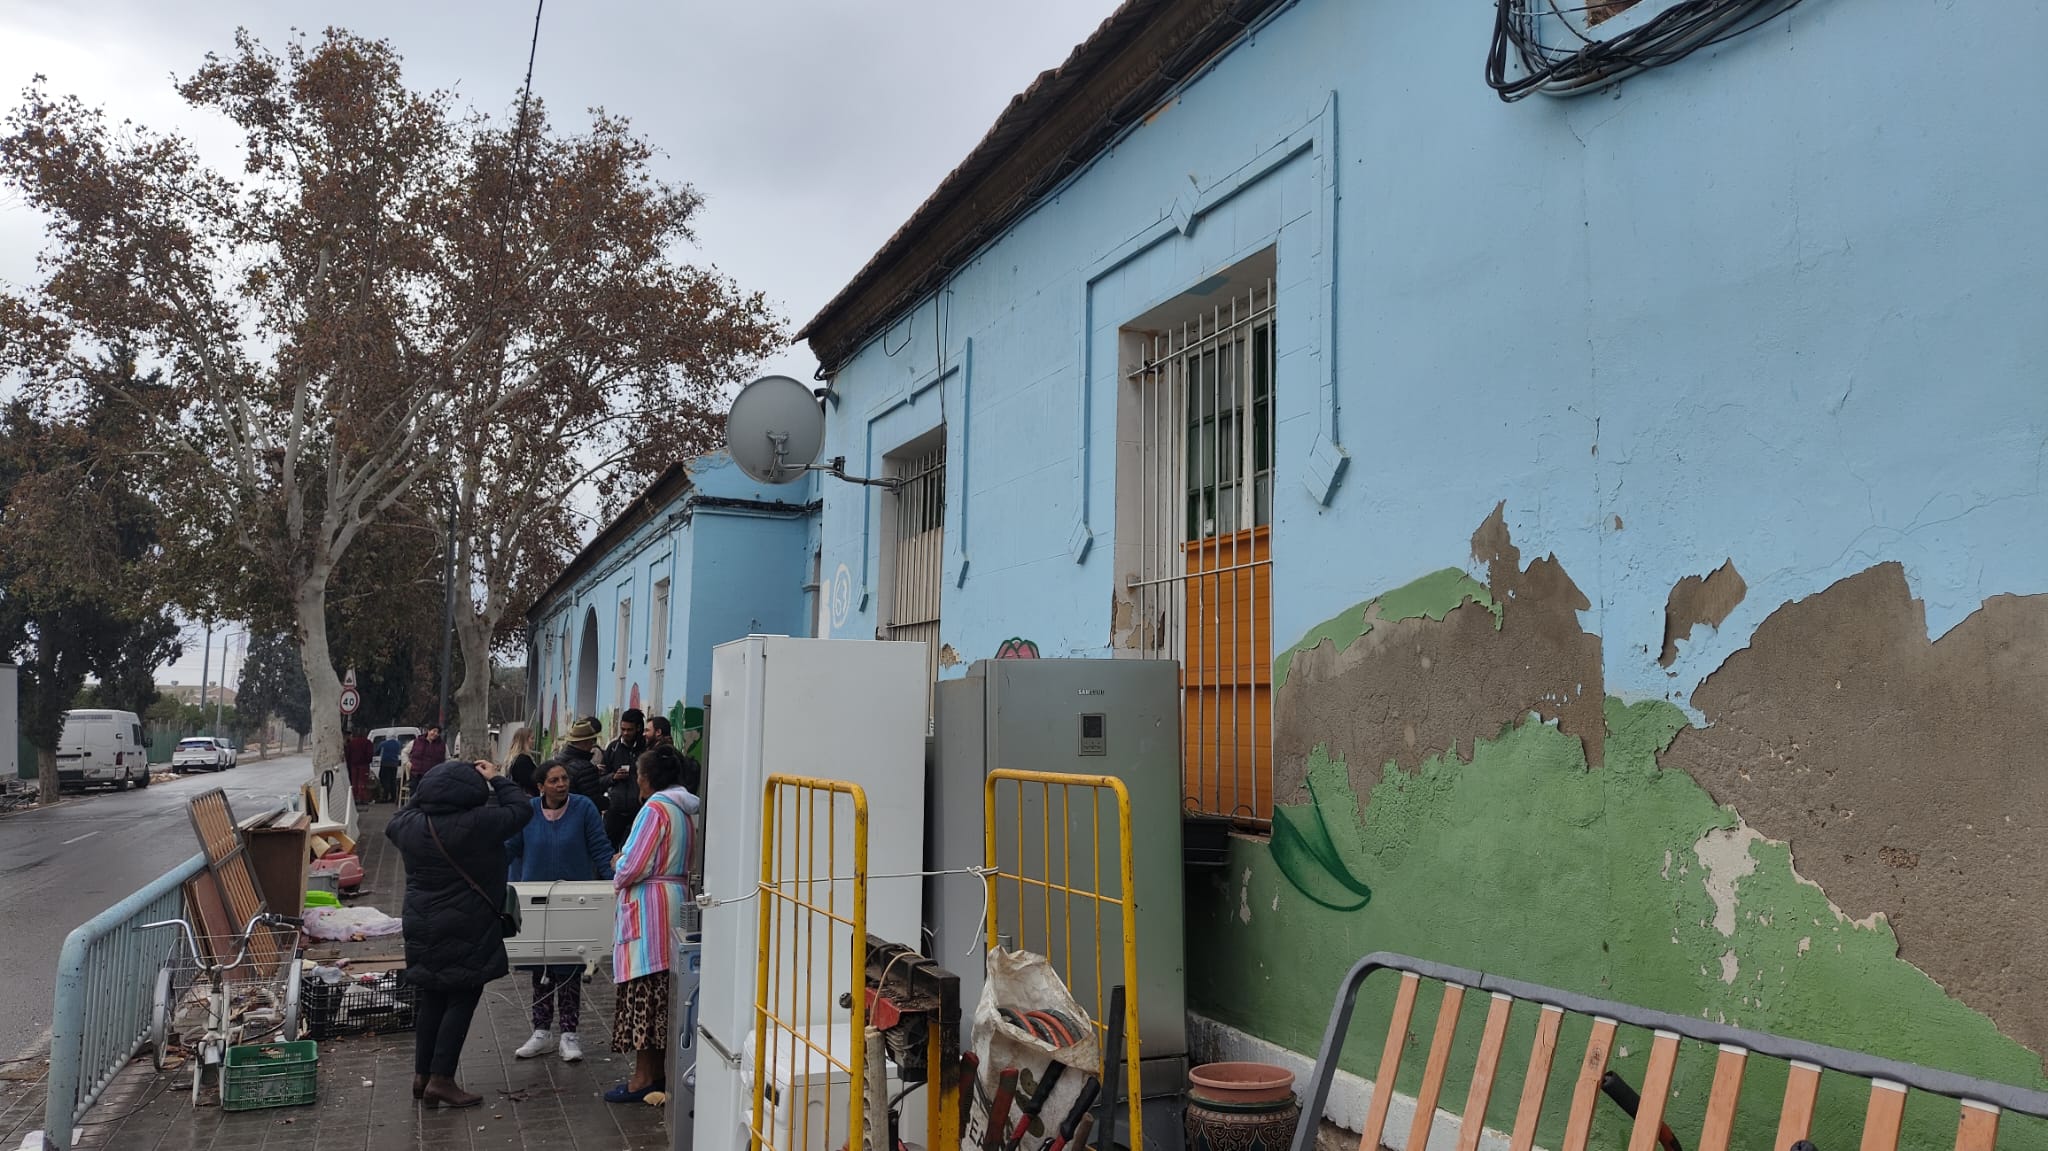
106, 981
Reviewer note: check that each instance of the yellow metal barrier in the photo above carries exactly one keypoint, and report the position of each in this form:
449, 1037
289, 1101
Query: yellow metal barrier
1041, 920
804, 928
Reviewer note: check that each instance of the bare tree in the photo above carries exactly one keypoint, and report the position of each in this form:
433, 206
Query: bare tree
376, 296
609, 361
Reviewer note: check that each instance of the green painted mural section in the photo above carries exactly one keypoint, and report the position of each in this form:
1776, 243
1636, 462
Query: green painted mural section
1434, 596
1628, 883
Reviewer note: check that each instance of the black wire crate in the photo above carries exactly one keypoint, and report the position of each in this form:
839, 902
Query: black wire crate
359, 1005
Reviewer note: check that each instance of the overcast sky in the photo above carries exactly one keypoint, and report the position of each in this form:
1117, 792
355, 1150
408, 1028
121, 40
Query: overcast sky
813, 128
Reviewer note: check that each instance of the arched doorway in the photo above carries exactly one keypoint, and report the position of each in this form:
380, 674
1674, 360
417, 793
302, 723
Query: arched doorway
586, 667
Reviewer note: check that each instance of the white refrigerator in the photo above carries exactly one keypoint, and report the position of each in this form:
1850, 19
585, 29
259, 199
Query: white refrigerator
851, 710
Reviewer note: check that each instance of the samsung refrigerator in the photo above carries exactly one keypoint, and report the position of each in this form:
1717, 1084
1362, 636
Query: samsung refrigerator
850, 710
1113, 717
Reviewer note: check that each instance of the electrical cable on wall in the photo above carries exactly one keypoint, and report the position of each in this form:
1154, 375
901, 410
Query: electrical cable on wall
1531, 30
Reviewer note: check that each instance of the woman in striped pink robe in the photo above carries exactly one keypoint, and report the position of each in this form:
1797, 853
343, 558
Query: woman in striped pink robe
652, 879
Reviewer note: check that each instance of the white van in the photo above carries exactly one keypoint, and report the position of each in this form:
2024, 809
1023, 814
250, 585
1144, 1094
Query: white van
102, 749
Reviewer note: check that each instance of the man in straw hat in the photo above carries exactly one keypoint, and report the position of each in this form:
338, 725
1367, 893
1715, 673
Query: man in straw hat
578, 753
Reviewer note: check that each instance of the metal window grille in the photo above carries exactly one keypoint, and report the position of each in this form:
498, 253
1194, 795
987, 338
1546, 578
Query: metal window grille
1203, 587
920, 554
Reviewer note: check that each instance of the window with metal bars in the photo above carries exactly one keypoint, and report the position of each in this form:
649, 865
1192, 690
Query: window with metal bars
919, 543
1200, 589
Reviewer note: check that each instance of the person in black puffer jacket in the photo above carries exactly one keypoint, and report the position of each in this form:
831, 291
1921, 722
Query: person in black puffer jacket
578, 753
452, 836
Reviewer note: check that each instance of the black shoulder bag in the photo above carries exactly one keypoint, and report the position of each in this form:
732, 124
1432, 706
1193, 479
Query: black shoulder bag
508, 912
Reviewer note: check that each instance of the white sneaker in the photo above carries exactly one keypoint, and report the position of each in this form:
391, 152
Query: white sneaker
541, 1043
572, 1048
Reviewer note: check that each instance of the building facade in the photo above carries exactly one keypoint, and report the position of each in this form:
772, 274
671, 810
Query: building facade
704, 555
1603, 537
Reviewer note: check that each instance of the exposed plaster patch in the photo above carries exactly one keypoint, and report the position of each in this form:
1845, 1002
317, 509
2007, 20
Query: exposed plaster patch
948, 657
1724, 852
1244, 898
1896, 767
1729, 966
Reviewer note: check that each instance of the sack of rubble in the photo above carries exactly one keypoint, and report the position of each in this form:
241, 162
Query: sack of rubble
1027, 1019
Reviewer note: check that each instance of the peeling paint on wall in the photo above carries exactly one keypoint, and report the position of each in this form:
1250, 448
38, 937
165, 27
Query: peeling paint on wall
1431, 597
1695, 601
1905, 773
1427, 667
1447, 850
1445, 804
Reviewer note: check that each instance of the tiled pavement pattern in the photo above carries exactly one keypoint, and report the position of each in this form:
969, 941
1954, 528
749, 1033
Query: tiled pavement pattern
365, 1097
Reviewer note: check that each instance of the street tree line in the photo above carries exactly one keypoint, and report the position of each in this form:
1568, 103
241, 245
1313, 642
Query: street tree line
395, 323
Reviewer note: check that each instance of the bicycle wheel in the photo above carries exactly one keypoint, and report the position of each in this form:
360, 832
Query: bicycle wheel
293, 982
160, 1015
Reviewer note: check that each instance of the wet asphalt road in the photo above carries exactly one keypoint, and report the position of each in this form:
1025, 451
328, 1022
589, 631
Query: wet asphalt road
61, 866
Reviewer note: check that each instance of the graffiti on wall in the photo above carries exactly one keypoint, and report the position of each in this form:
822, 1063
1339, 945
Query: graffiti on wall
1017, 648
687, 724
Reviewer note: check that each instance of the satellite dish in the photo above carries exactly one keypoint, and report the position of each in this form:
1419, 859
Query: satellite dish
775, 430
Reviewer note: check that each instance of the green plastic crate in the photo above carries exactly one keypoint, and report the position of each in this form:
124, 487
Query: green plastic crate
270, 1075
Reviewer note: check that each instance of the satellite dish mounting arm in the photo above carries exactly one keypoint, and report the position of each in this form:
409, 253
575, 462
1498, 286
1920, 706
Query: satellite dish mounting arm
835, 467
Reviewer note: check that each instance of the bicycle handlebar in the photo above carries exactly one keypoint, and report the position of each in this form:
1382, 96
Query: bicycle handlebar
266, 918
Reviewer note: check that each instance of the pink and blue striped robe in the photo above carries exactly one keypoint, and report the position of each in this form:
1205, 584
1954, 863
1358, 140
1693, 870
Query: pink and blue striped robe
652, 879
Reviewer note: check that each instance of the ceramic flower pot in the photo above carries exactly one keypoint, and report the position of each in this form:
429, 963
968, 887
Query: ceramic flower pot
1241, 1107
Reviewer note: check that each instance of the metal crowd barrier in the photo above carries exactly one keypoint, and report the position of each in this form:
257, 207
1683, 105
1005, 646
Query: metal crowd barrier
813, 956
1095, 949
106, 978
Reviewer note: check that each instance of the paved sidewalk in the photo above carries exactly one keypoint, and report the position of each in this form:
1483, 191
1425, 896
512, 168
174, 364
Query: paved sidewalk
365, 1101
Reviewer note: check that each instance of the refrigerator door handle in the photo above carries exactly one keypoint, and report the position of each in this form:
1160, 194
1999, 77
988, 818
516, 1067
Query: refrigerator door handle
731, 1060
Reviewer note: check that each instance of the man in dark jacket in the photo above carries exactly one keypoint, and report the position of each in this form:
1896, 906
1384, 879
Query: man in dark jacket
622, 787
577, 753
388, 753
452, 837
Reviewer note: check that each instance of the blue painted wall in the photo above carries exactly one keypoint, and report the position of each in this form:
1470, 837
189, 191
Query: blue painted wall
1782, 300
731, 571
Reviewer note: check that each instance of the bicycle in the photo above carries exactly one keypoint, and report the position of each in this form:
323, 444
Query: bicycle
240, 1010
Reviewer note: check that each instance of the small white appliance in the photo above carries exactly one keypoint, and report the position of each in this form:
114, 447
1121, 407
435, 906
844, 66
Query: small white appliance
564, 922
811, 1096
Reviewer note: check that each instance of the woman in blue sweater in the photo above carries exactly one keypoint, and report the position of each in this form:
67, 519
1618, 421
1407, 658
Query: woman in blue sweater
565, 840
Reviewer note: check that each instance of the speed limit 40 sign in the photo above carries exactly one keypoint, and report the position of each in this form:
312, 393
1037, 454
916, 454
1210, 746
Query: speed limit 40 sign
350, 700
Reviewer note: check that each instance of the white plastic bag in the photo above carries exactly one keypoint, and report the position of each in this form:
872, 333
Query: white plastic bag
1021, 981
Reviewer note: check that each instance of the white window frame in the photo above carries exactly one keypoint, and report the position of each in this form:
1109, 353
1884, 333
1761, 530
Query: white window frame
657, 645
622, 657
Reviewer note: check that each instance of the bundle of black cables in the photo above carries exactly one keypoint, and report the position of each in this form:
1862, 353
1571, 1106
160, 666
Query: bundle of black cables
1585, 63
